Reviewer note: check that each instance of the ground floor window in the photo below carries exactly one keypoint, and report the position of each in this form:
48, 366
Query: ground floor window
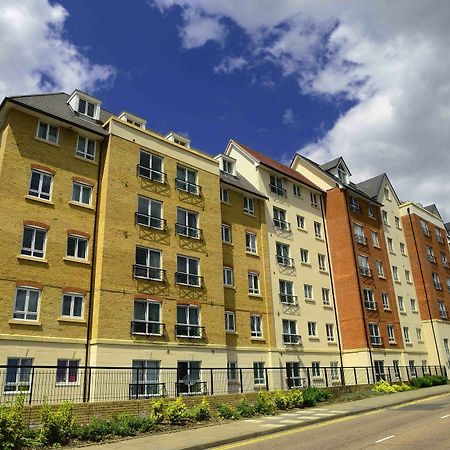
67, 371
232, 371
258, 373
145, 379
18, 375
189, 381
293, 372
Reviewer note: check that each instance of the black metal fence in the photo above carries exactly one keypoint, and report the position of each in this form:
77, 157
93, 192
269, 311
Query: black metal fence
97, 384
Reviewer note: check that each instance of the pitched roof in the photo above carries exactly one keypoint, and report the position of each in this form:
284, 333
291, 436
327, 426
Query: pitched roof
433, 210
279, 167
238, 181
55, 105
372, 186
331, 164
447, 227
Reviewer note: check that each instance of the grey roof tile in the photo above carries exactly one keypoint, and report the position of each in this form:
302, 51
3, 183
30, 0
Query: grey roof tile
372, 186
240, 182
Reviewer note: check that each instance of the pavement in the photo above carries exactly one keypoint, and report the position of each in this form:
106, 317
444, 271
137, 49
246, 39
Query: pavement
227, 433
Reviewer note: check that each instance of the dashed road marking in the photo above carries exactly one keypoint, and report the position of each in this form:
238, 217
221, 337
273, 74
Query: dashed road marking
444, 417
385, 438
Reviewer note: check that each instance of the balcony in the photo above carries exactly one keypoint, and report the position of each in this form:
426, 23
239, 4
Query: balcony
150, 221
191, 387
354, 207
426, 232
445, 264
370, 305
443, 314
188, 279
189, 331
151, 174
148, 273
285, 261
282, 225
292, 339
432, 258
376, 340
288, 299
437, 285
187, 231
187, 186
146, 390
142, 327
365, 271
440, 239
360, 239
278, 190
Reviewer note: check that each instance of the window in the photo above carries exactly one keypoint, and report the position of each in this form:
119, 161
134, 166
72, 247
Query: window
279, 219
385, 217
187, 224
369, 299
304, 256
150, 166
290, 335
354, 205
436, 281
145, 379
380, 269
390, 245
364, 266
81, 193
391, 334
397, 223
228, 276
188, 271
446, 347
249, 207
297, 190
342, 174
188, 321
86, 108
18, 375
401, 304
312, 329
276, 185
77, 247
230, 321
430, 255
322, 263
226, 233
387, 194
396, 367
375, 241
187, 180
294, 379
308, 291
395, 273
374, 332
402, 248
33, 242
419, 334
407, 276
424, 227
149, 213
224, 195
147, 318
256, 326
444, 260
406, 335
438, 234
315, 366
250, 242
334, 370
287, 292
26, 304
227, 166
282, 254
85, 148
67, 371
48, 132
259, 373
253, 283
413, 304
442, 310
330, 332
318, 230
232, 371
148, 264
371, 212
301, 222
448, 284
314, 200
40, 185
72, 305
326, 296
359, 234
385, 300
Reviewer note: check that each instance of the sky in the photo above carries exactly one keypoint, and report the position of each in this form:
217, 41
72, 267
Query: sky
366, 80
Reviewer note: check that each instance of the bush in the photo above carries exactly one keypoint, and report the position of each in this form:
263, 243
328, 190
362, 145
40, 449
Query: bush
130, 425
384, 387
312, 395
157, 411
282, 399
428, 381
201, 411
97, 430
265, 403
296, 398
244, 409
57, 424
401, 387
12, 425
177, 412
226, 412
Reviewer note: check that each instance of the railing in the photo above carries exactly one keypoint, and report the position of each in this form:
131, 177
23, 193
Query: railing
370, 305
426, 232
355, 208
445, 264
289, 299
360, 239
437, 285
150, 221
187, 231
440, 238
187, 186
187, 279
189, 331
285, 261
278, 190
376, 340
432, 258
147, 328
148, 273
443, 314
292, 339
151, 174
282, 225
365, 271
38, 384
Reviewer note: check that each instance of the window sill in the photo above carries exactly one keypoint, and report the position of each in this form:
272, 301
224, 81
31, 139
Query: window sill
319, 238
313, 338
392, 342
233, 333
228, 243
324, 271
409, 344
397, 282
328, 307
71, 319
409, 282
34, 323
255, 295
65, 385
381, 277
81, 205
421, 341
402, 312
255, 255
302, 229
39, 200
310, 300
45, 141
257, 339
392, 253
415, 311
225, 203
332, 343
233, 288
32, 259
250, 214
387, 309
376, 246
76, 260
305, 264
90, 161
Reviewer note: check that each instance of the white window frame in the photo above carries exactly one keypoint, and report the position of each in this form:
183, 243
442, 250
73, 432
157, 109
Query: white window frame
312, 329
374, 333
385, 300
39, 193
183, 183
419, 334
406, 335
146, 271
315, 369
84, 152
326, 297
369, 299
297, 190
252, 239
47, 132
155, 175
401, 303
226, 233
380, 268
77, 240
225, 195
230, 321
253, 288
22, 375
304, 256
189, 261
146, 322
259, 375
183, 228
67, 366
318, 230
301, 222
391, 334
232, 369
146, 218
25, 312
287, 296
322, 262
308, 292
329, 327
395, 275
228, 276
83, 187
375, 240
85, 110
413, 304
32, 251
72, 297
314, 200
256, 326
249, 206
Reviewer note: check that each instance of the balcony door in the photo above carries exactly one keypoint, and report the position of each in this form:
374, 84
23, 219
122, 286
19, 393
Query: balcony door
188, 378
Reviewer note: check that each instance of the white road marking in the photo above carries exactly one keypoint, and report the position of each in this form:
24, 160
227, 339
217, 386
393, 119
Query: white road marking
384, 439
272, 425
444, 417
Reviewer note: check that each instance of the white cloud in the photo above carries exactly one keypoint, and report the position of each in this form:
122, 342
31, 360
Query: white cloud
230, 64
34, 55
389, 57
288, 117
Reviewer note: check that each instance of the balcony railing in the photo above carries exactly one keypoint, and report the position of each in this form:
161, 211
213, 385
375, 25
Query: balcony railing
189, 331
147, 328
151, 174
376, 340
360, 239
370, 305
289, 299
191, 387
285, 261
445, 264
440, 238
187, 279
146, 390
278, 190
150, 221
292, 339
187, 186
148, 273
355, 208
437, 285
443, 314
187, 231
426, 232
282, 225
365, 271
432, 258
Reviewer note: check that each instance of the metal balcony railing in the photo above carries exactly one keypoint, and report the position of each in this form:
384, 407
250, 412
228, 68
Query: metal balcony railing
365, 271
187, 186
443, 314
146, 390
147, 328
445, 264
376, 340
150, 221
355, 208
191, 387
432, 258
282, 225
437, 285
187, 231
370, 305
187, 279
148, 273
292, 339
285, 261
288, 299
189, 331
151, 174
426, 232
278, 190
440, 238
360, 239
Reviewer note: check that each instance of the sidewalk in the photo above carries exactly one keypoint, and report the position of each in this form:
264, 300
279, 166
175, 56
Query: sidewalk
216, 435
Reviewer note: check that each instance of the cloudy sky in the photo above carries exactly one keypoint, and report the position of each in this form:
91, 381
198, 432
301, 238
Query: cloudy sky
368, 80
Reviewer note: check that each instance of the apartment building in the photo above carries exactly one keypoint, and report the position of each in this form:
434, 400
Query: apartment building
416, 349
429, 255
306, 333
365, 295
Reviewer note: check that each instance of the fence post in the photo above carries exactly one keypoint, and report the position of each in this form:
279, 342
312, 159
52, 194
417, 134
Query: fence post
212, 381
368, 376
342, 377
355, 374
309, 377
267, 378
137, 382
241, 380
389, 374
326, 377
407, 373
31, 385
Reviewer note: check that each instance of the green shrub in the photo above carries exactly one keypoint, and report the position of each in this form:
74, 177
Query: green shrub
244, 409
312, 395
384, 386
201, 411
58, 424
296, 398
226, 412
265, 404
177, 412
282, 399
95, 431
401, 387
157, 411
12, 425
428, 381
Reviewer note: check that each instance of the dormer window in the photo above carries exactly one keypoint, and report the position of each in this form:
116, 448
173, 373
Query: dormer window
178, 139
132, 119
85, 104
342, 174
227, 166
87, 108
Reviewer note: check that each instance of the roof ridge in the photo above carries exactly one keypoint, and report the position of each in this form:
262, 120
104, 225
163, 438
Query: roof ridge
38, 95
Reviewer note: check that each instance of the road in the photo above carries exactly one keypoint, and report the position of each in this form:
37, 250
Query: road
423, 424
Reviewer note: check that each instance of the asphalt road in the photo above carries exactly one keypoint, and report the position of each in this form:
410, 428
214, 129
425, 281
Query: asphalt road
424, 424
